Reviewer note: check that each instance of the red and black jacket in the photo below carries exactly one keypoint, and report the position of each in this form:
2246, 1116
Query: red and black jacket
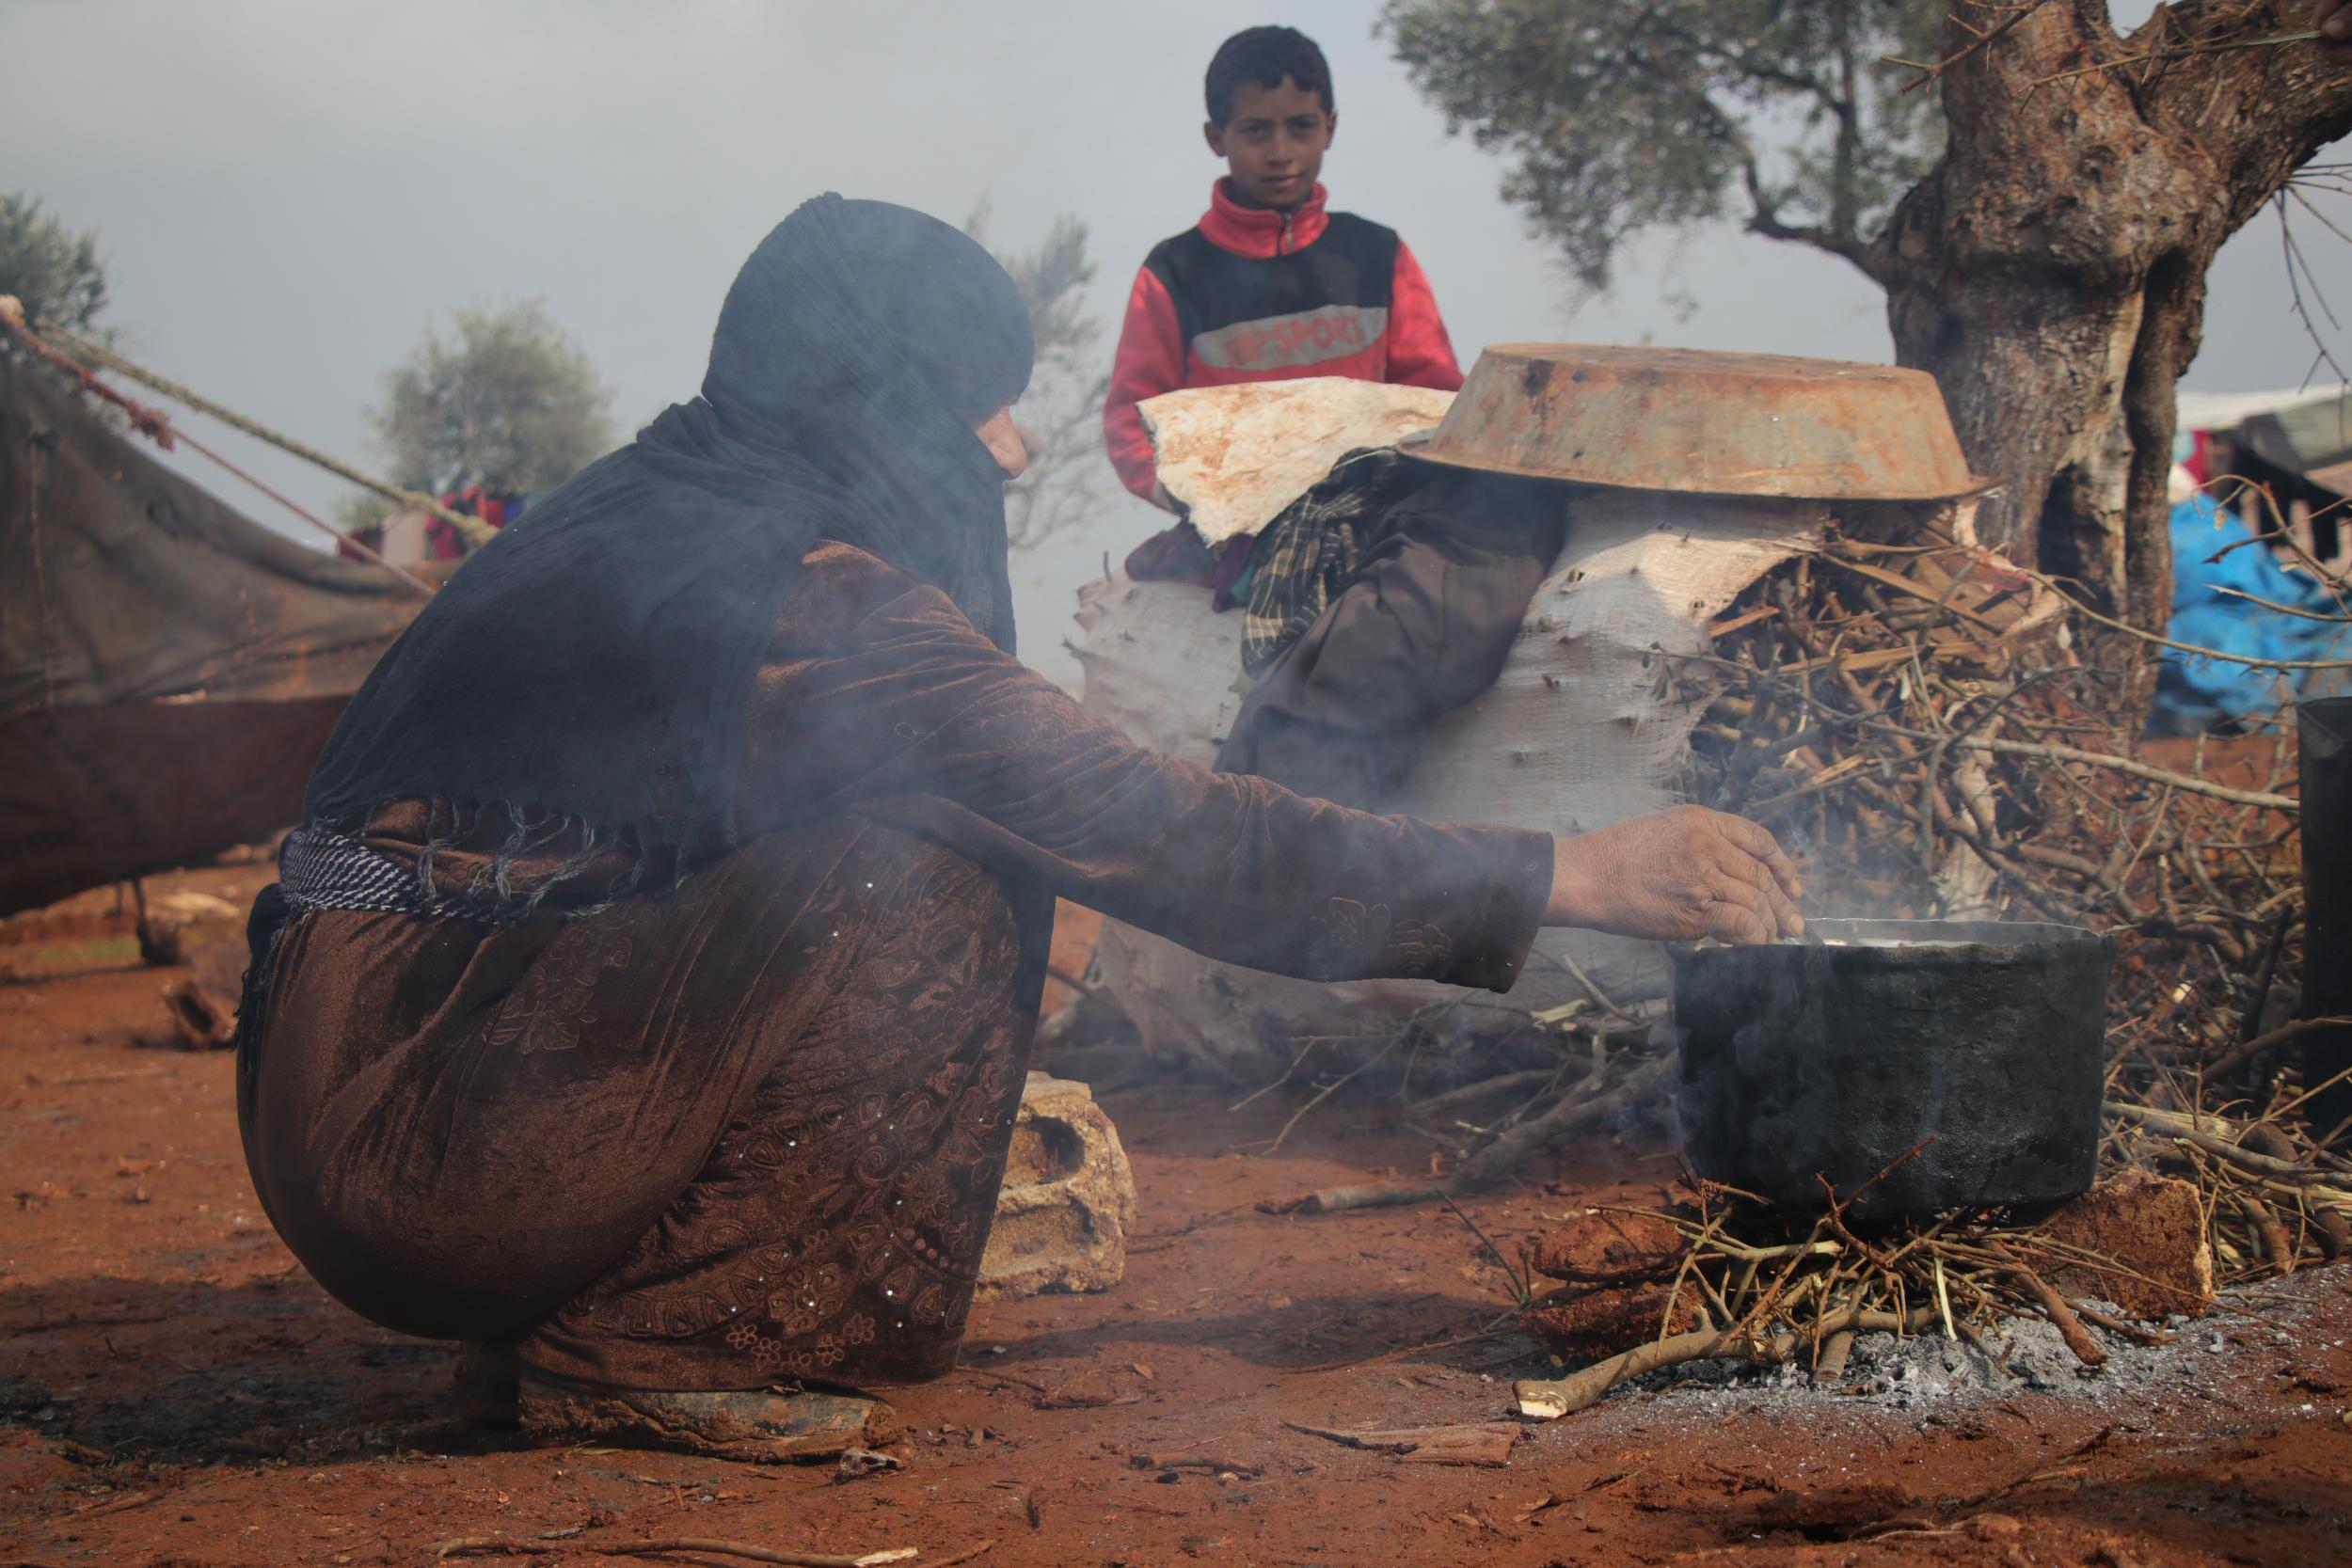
1253, 294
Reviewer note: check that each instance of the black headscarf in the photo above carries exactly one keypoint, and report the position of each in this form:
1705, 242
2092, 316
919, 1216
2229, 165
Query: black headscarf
591, 667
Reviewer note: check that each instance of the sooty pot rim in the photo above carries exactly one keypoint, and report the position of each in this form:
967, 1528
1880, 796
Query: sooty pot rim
1901, 942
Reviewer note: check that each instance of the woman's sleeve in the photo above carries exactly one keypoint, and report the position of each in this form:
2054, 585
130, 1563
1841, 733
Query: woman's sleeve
916, 720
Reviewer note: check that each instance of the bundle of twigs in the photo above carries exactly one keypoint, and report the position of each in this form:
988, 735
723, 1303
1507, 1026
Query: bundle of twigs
1805, 1299
1913, 722
1553, 1074
1728, 1277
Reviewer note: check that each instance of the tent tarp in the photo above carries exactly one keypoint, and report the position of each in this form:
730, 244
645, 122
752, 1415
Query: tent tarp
168, 668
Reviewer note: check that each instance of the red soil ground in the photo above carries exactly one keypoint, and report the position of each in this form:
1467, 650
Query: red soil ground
178, 1392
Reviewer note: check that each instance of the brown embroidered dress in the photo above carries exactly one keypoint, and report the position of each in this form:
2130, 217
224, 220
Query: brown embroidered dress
753, 1128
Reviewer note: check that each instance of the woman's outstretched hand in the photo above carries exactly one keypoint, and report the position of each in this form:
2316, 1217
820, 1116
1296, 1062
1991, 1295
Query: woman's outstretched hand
1677, 876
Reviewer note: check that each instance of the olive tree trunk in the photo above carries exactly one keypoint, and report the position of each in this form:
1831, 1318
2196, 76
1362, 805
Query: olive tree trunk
2050, 271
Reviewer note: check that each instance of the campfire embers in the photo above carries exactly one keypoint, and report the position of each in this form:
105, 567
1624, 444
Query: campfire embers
1726, 1278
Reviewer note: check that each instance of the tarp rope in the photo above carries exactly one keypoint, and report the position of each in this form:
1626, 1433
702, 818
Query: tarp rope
158, 427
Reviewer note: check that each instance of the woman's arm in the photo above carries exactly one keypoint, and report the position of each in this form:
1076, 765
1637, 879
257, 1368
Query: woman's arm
910, 716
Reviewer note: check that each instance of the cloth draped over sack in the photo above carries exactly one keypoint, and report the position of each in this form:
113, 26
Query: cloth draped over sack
1308, 552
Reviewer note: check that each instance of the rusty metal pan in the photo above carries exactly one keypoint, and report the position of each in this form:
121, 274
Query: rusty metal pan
1704, 424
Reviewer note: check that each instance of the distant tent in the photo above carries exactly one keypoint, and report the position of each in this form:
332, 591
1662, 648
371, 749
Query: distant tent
2311, 429
169, 670
2239, 596
2297, 444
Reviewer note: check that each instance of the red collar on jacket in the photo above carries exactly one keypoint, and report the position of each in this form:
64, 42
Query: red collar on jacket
1260, 232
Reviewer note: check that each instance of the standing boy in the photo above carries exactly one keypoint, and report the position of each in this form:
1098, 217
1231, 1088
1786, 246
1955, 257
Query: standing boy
1268, 286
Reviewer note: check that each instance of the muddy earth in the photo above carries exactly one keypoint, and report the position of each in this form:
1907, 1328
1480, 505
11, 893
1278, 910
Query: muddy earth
175, 1391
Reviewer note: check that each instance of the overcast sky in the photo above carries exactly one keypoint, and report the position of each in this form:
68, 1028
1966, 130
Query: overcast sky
289, 193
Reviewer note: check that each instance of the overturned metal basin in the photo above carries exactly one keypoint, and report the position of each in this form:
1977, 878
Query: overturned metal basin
1804, 1061
1703, 423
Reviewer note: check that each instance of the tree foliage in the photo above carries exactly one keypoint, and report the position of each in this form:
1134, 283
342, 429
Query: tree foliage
2042, 206
1617, 118
1061, 415
55, 272
506, 400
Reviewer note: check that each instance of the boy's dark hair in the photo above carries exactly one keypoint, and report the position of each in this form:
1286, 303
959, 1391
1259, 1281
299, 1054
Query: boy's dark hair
1265, 55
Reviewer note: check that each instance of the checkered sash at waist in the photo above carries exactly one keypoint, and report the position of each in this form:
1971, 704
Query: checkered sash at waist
320, 869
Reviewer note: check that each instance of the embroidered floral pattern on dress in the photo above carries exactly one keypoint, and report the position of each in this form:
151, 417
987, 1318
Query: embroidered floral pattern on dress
836, 1229
548, 1011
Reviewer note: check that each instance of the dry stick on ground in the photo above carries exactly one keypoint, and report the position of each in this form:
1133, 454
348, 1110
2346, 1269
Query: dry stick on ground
1674, 1286
1334, 1086
2054, 1306
1522, 1288
2127, 1329
1550, 1400
1333, 1199
1296, 1062
1194, 1462
500, 1545
980, 1550
1570, 1114
1486, 1088
1834, 1349
2279, 1248
1498, 1160
1565, 961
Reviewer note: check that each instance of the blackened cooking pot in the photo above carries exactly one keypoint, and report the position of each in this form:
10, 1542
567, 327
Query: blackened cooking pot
1803, 1060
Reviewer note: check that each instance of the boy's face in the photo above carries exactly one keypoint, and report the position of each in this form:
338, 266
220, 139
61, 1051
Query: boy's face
1275, 142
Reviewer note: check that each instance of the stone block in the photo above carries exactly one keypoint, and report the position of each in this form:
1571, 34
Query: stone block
1068, 1198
